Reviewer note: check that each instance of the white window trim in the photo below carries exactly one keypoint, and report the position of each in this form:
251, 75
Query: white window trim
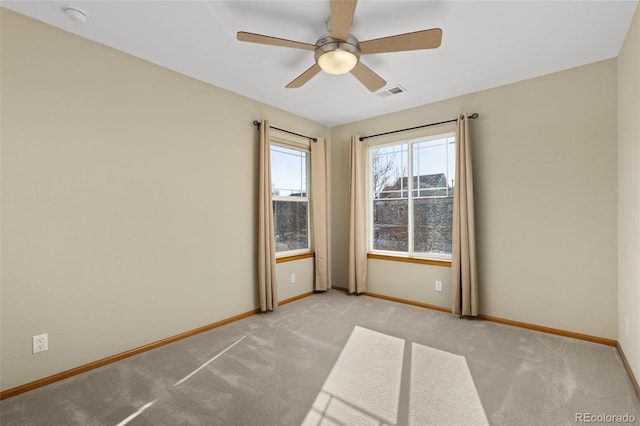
410, 253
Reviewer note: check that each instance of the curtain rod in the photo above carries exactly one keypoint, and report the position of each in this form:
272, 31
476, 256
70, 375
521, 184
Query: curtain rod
257, 124
472, 116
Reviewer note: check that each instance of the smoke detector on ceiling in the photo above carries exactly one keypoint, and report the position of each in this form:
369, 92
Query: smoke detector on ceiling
76, 15
393, 90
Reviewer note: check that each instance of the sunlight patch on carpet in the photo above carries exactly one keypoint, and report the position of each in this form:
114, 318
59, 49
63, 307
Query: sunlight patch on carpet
363, 388
137, 413
442, 389
188, 376
364, 384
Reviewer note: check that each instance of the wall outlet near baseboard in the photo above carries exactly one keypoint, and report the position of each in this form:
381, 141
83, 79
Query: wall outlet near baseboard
293, 278
438, 285
40, 343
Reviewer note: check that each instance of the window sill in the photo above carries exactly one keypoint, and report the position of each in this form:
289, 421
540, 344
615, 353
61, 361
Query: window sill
420, 260
292, 257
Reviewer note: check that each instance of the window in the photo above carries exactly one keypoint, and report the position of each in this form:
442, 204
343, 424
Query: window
289, 189
414, 215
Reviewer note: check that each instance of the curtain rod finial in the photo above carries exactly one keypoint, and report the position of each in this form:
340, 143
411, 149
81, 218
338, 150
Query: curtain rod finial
474, 115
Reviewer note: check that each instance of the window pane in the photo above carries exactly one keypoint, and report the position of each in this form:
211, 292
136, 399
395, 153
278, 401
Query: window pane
289, 168
430, 168
390, 225
288, 172
389, 172
432, 230
389, 181
451, 158
290, 225
433, 195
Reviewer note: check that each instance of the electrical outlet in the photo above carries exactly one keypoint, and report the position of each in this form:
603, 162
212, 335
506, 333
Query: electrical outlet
40, 343
293, 278
438, 285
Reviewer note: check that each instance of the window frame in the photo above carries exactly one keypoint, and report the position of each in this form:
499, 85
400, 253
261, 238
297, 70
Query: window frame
303, 146
438, 258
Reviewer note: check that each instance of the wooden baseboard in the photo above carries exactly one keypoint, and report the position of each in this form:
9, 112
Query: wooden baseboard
294, 298
408, 302
549, 330
118, 357
557, 331
627, 366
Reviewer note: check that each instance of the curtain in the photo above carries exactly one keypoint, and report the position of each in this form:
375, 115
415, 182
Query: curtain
464, 277
358, 217
267, 285
320, 208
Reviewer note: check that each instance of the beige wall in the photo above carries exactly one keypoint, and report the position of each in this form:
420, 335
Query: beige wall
409, 281
544, 157
629, 195
303, 280
128, 201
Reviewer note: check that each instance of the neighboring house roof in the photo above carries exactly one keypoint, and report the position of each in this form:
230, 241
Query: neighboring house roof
436, 180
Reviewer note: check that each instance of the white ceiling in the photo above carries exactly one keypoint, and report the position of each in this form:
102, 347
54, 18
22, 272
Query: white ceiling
485, 44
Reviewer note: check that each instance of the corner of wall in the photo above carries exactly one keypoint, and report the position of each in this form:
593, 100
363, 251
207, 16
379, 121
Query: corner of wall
628, 199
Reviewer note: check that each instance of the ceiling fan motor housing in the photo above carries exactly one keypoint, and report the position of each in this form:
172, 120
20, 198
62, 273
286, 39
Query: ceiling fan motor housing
327, 44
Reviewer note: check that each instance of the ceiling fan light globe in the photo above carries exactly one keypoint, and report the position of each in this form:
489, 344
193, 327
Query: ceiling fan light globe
337, 61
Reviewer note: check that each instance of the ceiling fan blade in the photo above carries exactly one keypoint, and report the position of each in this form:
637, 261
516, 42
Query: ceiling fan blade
426, 39
274, 41
341, 17
304, 77
368, 78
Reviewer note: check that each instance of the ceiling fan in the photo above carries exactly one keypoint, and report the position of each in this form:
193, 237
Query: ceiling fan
338, 52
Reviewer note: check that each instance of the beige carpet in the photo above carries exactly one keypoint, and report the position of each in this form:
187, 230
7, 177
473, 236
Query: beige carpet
365, 384
333, 359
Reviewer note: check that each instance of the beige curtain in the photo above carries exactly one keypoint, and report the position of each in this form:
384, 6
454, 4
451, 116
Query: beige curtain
267, 285
464, 277
320, 208
358, 218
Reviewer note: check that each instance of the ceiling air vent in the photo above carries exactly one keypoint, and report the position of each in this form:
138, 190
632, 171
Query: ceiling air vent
393, 90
